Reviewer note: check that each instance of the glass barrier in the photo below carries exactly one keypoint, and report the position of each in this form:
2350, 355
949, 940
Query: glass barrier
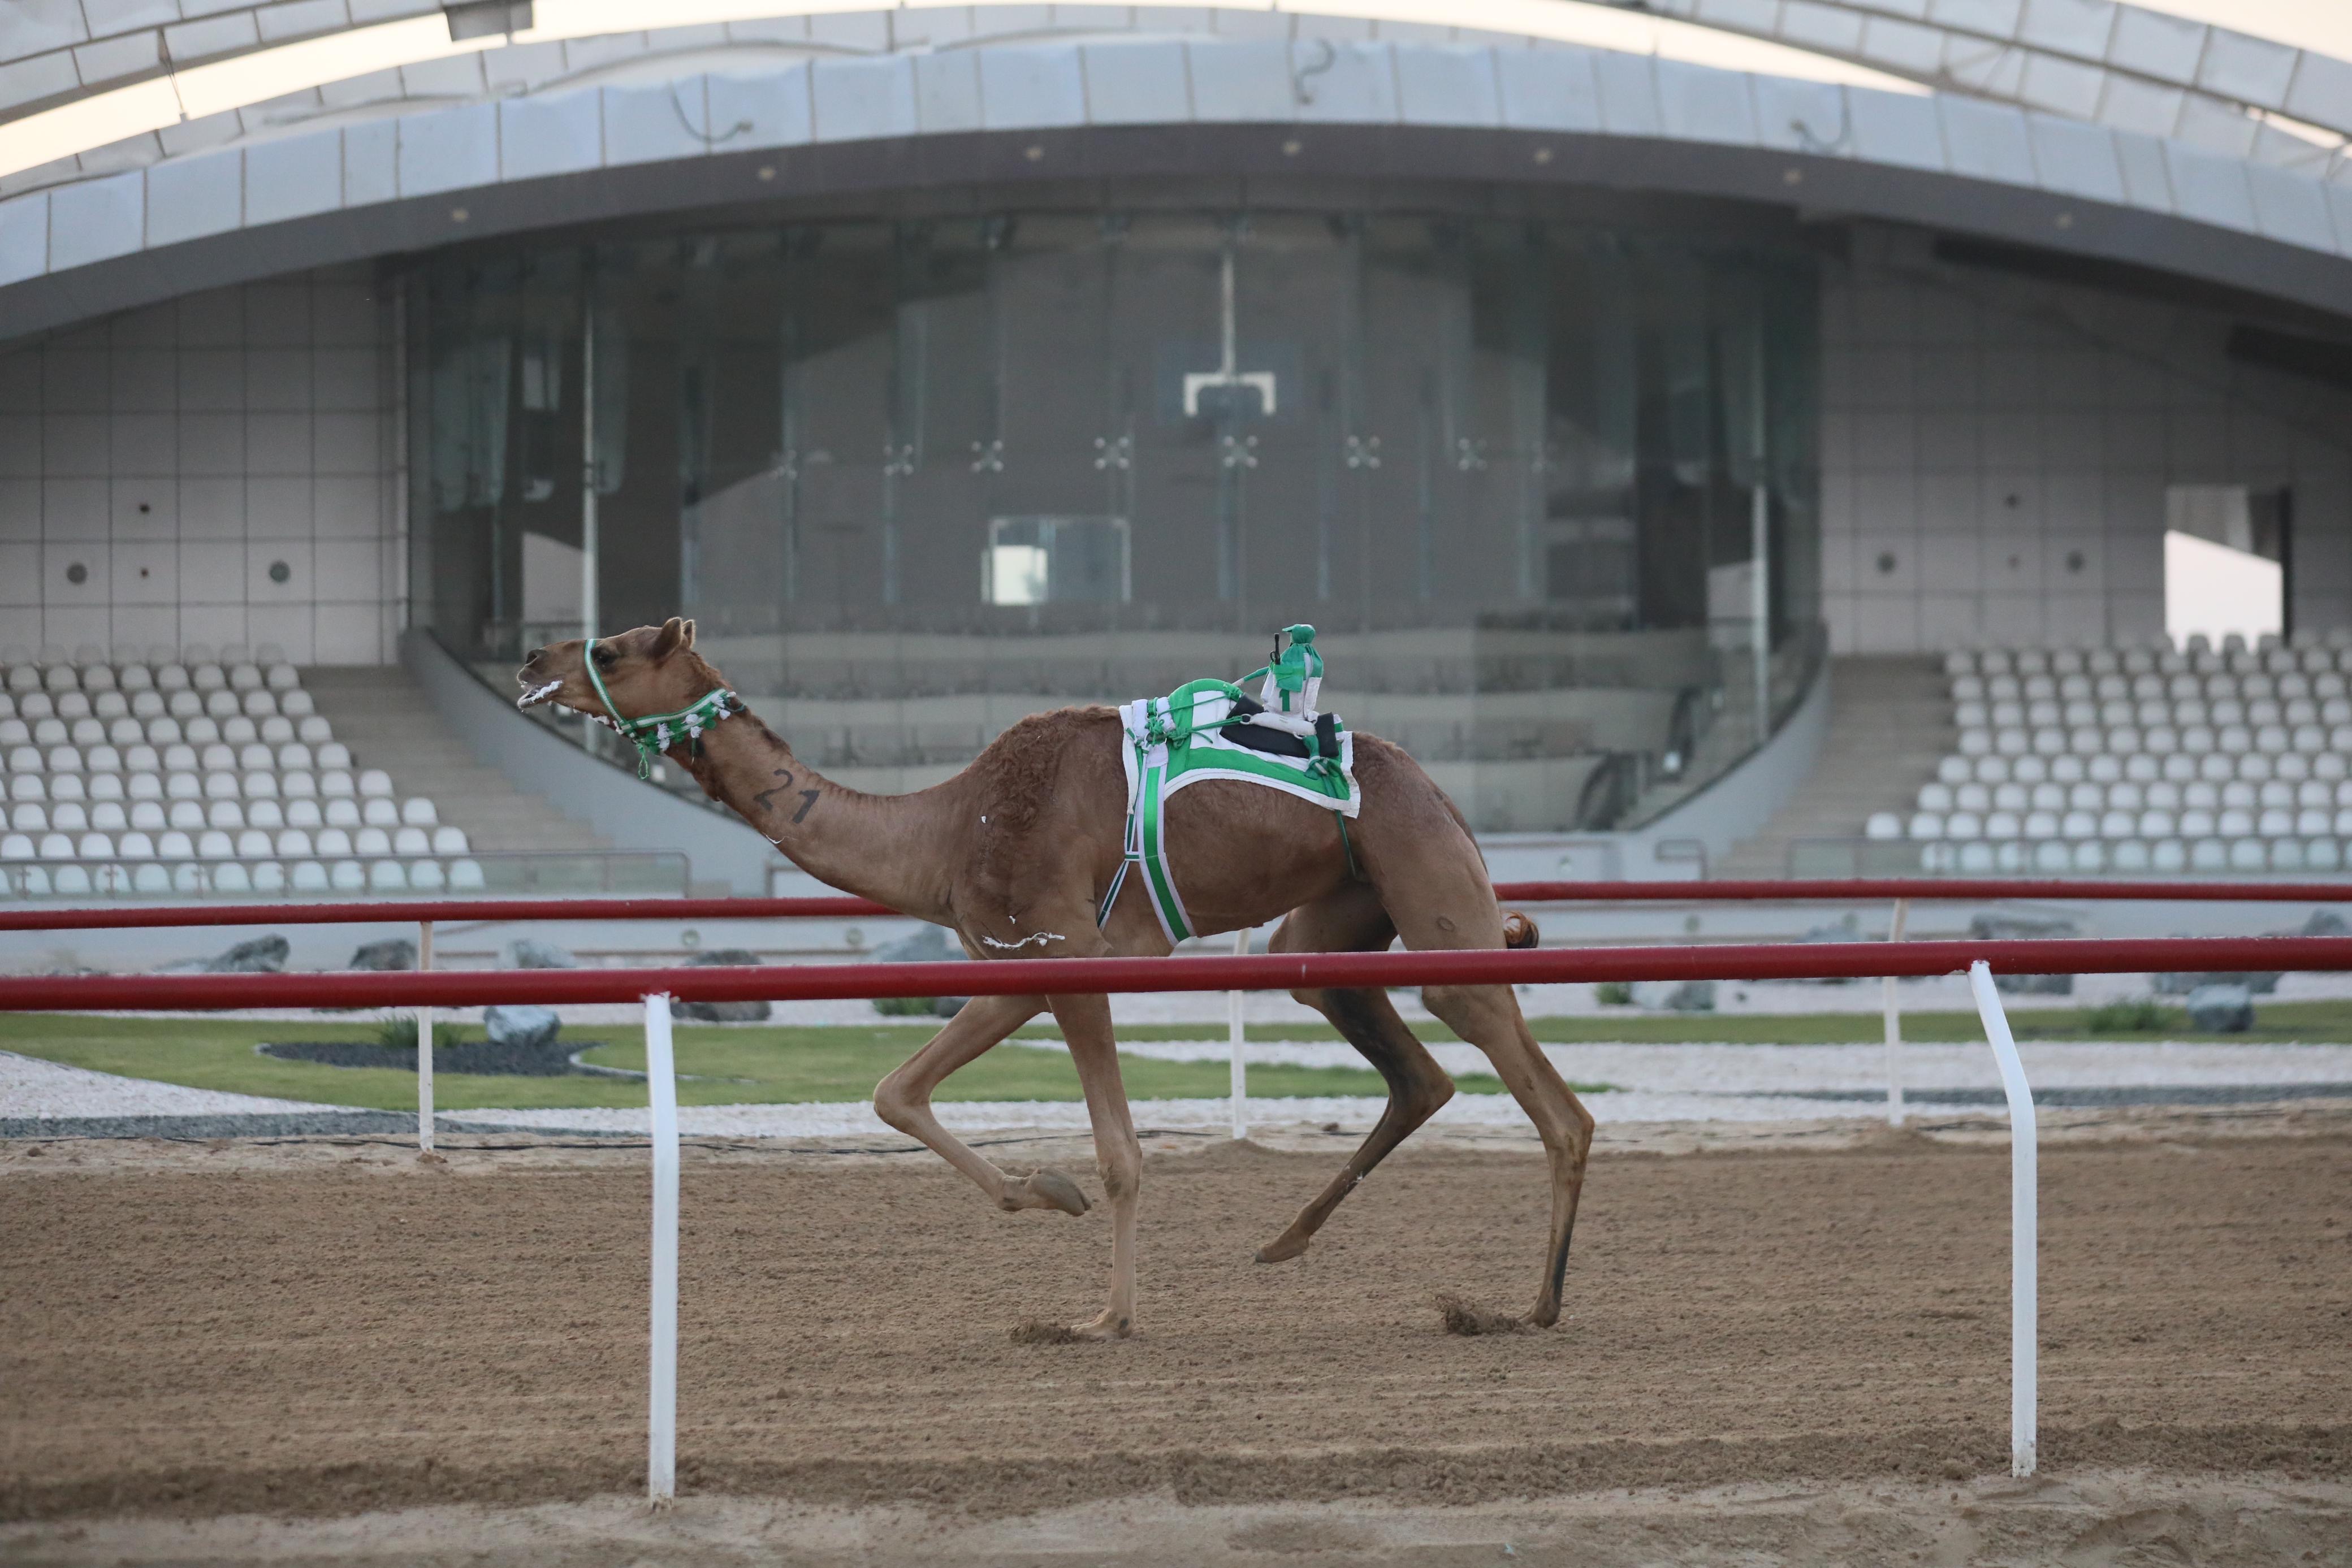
1549, 487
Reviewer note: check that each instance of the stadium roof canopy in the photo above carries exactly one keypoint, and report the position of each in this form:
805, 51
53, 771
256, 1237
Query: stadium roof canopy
132, 127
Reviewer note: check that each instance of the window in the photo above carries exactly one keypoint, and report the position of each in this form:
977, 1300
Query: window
1042, 560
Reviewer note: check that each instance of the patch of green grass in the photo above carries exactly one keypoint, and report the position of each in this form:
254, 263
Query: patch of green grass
717, 1066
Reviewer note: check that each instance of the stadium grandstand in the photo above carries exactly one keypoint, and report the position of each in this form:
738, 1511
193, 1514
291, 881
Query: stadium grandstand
1715, 436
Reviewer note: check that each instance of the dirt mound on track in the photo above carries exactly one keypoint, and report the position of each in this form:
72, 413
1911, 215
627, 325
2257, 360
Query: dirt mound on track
329, 1338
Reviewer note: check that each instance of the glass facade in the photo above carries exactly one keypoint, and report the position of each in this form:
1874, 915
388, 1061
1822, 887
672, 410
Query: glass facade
1549, 488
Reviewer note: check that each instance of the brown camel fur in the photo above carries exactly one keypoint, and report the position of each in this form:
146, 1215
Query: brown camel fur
1015, 855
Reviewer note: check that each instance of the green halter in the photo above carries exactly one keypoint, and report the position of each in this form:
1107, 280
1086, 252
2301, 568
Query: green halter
656, 733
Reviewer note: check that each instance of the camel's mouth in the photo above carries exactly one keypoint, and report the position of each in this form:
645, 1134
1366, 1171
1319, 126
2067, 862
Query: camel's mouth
538, 694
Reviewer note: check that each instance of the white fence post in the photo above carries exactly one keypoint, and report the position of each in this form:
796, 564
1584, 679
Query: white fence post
2024, 1184
425, 1045
1894, 1024
1236, 1036
661, 1082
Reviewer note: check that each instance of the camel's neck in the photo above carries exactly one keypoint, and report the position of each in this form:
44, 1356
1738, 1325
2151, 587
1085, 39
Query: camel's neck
891, 849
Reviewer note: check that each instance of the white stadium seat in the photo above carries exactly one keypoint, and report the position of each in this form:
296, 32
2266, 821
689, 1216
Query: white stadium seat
387, 876
375, 783
425, 876
1882, 825
333, 843
309, 876
449, 840
418, 811
466, 876
348, 876
371, 842
342, 812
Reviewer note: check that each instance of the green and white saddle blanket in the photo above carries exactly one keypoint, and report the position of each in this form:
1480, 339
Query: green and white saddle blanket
1202, 730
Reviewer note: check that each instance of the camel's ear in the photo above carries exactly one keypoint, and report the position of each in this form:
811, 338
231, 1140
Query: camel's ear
689, 634
673, 634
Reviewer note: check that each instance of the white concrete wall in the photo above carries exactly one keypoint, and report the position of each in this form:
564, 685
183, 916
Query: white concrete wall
176, 453
1996, 449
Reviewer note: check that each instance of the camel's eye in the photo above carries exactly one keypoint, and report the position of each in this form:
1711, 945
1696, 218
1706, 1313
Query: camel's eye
604, 658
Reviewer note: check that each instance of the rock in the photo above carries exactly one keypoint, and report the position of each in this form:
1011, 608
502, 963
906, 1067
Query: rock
2033, 984
395, 953
533, 952
722, 1012
2261, 982
924, 945
2221, 1009
1675, 996
262, 956
2010, 929
522, 1025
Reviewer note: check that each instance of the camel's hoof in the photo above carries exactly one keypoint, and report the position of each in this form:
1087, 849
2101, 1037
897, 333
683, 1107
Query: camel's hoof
1052, 1189
1544, 1315
1110, 1325
1283, 1247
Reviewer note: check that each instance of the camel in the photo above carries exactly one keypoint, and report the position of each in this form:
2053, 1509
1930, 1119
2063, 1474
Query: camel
1015, 855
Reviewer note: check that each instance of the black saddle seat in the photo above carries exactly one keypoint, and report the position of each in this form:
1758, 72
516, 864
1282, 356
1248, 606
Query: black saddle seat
1278, 742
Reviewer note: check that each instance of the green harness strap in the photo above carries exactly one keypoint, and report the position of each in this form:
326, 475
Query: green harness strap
652, 735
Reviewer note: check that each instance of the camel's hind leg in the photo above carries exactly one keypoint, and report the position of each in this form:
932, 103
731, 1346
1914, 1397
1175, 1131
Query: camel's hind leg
904, 1101
1434, 886
1488, 1016
1351, 920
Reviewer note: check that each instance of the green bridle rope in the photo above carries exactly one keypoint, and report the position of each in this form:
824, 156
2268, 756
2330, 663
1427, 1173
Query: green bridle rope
656, 733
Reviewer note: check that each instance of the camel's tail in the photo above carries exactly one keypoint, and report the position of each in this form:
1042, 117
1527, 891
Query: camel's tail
1518, 931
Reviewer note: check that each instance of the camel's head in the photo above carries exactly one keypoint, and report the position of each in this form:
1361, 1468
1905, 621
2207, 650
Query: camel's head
652, 670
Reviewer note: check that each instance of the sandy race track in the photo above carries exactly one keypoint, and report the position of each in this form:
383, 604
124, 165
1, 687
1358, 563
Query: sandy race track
198, 1335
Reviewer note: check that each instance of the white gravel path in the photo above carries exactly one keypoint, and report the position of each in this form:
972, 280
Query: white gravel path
1767, 1069
46, 1091
1648, 1083
1352, 1112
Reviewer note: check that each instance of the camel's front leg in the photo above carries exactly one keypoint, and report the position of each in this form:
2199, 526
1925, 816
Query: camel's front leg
1085, 1025
904, 1101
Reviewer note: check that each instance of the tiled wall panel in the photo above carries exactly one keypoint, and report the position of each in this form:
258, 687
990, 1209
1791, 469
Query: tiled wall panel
1995, 452
177, 460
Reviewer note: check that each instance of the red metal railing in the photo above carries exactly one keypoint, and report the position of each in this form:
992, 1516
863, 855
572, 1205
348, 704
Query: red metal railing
409, 911
1272, 971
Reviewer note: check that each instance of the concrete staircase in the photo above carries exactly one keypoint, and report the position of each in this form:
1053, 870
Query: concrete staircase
1890, 723
384, 717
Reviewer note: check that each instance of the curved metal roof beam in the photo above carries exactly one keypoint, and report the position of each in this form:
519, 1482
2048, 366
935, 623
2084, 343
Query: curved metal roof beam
2167, 68
1101, 111
193, 92
2161, 66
